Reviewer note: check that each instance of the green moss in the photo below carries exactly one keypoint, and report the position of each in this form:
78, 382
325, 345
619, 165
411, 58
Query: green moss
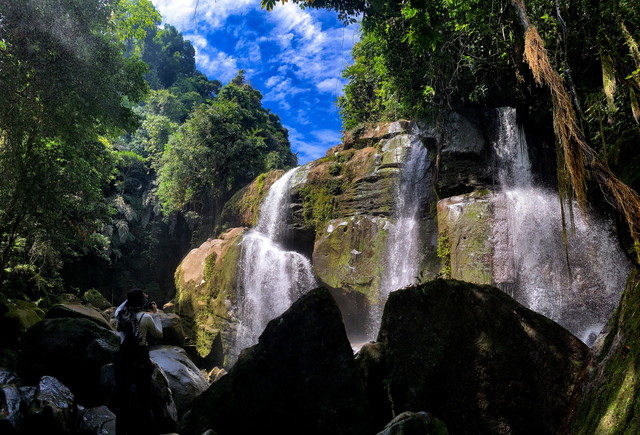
351, 256
611, 404
319, 201
443, 252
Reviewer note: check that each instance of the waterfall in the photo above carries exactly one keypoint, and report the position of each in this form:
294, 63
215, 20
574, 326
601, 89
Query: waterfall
578, 288
404, 242
270, 278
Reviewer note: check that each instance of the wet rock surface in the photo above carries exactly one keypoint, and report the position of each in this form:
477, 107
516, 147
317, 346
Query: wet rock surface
53, 409
185, 380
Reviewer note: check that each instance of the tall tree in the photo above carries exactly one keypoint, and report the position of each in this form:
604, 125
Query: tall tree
222, 146
64, 86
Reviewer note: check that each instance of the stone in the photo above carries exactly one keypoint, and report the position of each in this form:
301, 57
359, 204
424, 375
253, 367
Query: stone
72, 350
300, 378
98, 421
78, 311
372, 367
608, 401
206, 283
10, 407
53, 409
215, 374
349, 254
95, 298
19, 315
466, 156
242, 208
185, 380
163, 406
478, 360
172, 330
414, 423
465, 225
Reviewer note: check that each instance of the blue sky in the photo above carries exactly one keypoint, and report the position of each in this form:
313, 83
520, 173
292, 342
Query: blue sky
294, 57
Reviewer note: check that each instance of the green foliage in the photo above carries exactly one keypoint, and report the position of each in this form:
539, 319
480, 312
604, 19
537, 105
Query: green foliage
222, 146
65, 85
136, 17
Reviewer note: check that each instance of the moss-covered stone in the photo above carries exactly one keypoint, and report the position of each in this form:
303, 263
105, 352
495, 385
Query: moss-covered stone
464, 227
95, 298
243, 207
610, 402
206, 283
349, 254
19, 315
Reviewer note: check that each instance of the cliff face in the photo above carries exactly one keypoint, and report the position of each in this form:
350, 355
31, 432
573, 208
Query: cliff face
347, 213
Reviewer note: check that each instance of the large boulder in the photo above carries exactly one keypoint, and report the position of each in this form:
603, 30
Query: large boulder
163, 406
172, 329
478, 360
53, 409
465, 153
98, 421
95, 298
206, 283
349, 254
11, 402
372, 367
16, 316
73, 351
299, 378
185, 380
78, 311
465, 225
610, 398
243, 207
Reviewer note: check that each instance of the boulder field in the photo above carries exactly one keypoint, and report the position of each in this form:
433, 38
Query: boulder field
449, 354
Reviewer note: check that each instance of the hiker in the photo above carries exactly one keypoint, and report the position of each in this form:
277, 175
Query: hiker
132, 366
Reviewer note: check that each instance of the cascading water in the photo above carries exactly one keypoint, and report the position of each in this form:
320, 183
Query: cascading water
404, 241
578, 288
270, 278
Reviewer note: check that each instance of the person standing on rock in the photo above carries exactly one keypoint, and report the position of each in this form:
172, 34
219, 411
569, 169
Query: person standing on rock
133, 366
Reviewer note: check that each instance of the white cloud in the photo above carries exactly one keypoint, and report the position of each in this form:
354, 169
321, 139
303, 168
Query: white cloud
215, 63
328, 137
280, 88
249, 49
332, 86
209, 14
312, 149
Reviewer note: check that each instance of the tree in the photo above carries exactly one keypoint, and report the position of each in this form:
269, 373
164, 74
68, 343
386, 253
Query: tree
222, 146
65, 85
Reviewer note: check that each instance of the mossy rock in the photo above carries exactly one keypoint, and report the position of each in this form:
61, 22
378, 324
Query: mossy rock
19, 315
464, 225
95, 298
610, 403
349, 254
243, 207
206, 283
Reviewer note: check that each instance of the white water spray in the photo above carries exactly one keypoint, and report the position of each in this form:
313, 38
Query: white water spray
578, 288
404, 254
270, 278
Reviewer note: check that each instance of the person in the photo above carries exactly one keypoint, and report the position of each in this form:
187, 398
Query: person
133, 368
